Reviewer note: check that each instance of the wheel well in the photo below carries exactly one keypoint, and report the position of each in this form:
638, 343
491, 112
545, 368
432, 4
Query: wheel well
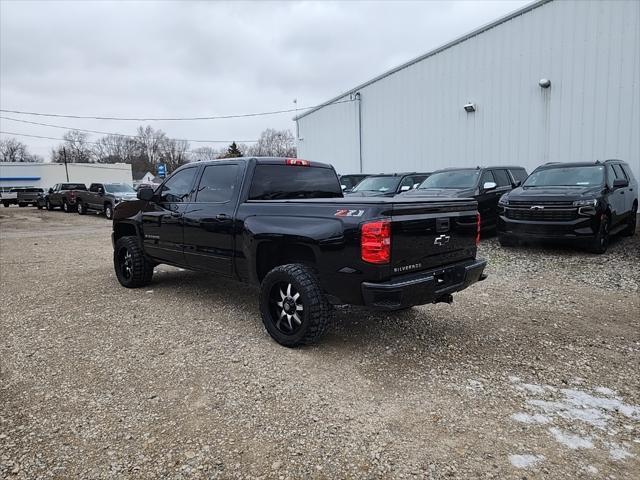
123, 230
272, 254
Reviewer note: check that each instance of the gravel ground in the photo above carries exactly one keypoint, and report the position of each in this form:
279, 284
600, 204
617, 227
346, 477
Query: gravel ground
530, 374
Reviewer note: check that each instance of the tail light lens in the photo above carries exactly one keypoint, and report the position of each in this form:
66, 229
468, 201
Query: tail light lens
375, 242
478, 229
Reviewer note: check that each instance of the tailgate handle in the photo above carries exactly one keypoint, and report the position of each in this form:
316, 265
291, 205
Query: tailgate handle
442, 225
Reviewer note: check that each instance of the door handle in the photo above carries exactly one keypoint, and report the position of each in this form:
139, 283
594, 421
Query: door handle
176, 214
222, 216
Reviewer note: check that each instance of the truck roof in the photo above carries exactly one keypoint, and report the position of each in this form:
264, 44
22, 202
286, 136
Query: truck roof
264, 161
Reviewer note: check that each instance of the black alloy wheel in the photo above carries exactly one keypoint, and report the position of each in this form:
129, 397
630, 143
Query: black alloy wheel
293, 308
601, 241
131, 266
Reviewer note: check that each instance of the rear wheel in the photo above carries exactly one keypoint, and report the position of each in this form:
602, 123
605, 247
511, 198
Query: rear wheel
132, 267
630, 230
65, 206
49, 206
108, 211
601, 241
6, 204
82, 209
293, 308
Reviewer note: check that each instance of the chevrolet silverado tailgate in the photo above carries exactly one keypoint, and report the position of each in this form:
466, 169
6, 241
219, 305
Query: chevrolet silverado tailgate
432, 233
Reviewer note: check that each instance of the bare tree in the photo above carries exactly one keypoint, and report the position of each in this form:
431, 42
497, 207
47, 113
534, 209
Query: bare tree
173, 153
75, 148
115, 149
274, 143
150, 143
204, 153
12, 150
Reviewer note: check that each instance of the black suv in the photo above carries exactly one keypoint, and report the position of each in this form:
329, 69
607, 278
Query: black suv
580, 202
387, 184
485, 184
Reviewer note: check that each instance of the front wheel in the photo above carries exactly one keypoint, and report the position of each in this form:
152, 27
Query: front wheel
293, 308
108, 211
132, 267
630, 229
65, 207
82, 209
600, 243
49, 206
6, 204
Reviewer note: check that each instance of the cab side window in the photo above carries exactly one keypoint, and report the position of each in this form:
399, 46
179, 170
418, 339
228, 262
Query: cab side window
94, 187
620, 175
611, 176
178, 187
502, 178
406, 182
218, 183
487, 176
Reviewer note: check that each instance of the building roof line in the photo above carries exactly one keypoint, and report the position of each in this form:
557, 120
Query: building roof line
463, 38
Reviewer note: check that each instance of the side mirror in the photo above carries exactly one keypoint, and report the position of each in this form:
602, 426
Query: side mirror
489, 186
145, 194
517, 183
51, 190
405, 188
344, 187
100, 191
620, 183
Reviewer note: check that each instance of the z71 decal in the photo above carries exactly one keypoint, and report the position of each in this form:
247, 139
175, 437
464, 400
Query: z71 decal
349, 213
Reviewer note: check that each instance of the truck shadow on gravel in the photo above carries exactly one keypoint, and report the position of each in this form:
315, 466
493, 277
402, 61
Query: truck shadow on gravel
351, 327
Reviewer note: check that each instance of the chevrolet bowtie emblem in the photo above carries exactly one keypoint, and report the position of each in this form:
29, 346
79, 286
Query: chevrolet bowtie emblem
442, 240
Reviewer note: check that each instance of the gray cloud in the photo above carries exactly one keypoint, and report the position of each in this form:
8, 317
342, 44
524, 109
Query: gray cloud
200, 58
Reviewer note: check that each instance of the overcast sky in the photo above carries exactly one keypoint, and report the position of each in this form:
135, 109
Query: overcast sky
191, 58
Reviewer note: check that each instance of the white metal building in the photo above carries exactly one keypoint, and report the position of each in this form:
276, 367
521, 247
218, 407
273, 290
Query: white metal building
412, 118
45, 175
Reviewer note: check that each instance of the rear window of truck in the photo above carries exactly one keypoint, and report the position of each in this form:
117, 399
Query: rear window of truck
73, 186
285, 182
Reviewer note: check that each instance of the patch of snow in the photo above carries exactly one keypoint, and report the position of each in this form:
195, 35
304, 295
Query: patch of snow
527, 418
583, 399
591, 470
514, 379
606, 391
570, 440
618, 452
525, 461
531, 387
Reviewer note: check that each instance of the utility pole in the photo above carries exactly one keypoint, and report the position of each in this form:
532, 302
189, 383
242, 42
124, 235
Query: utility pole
64, 155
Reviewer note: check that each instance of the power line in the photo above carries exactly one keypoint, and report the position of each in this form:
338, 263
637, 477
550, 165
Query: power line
172, 119
116, 134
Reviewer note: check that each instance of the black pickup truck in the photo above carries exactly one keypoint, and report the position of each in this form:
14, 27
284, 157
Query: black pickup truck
283, 224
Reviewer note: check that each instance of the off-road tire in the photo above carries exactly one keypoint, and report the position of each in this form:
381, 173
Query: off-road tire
600, 242
108, 211
630, 230
315, 314
141, 271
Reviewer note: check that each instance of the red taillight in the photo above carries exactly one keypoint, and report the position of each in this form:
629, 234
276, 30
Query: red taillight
478, 229
375, 241
297, 161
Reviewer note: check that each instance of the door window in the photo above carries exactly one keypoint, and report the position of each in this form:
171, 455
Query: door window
178, 187
487, 176
519, 174
406, 182
218, 183
94, 187
502, 178
619, 173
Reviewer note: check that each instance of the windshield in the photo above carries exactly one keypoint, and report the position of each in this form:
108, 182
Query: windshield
378, 184
567, 177
118, 188
452, 179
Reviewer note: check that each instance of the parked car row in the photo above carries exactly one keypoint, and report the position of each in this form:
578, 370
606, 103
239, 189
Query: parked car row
74, 197
584, 203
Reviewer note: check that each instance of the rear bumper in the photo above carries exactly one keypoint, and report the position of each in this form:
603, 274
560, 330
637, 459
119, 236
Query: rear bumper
424, 287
